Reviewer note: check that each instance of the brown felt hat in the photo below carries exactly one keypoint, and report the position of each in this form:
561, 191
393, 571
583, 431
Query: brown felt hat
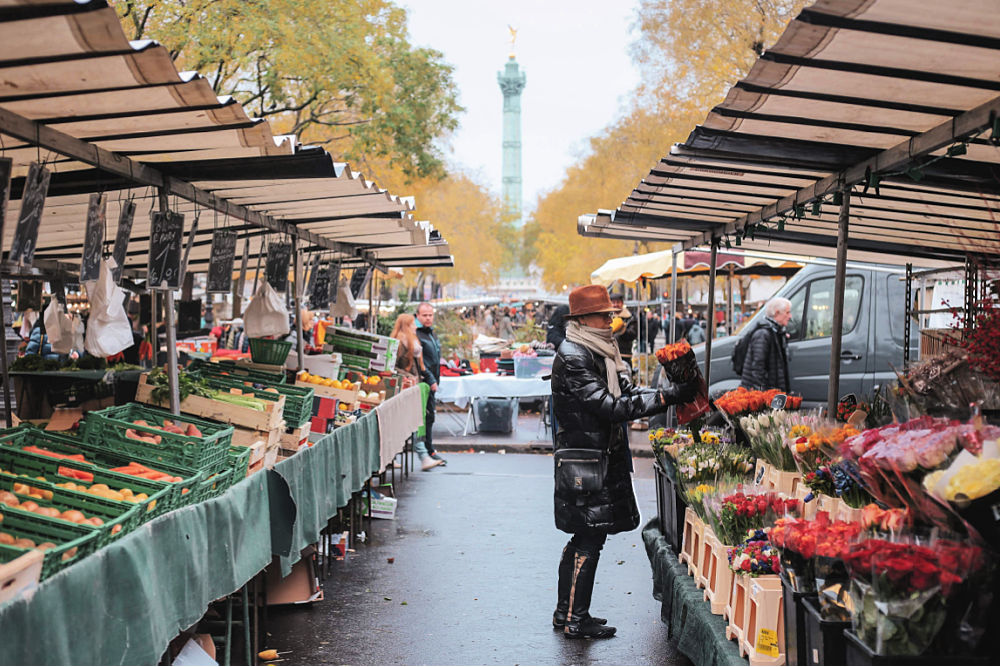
588, 300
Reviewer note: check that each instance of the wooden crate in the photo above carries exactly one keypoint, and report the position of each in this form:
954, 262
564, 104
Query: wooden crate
247, 437
295, 440
267, 420
20, 575
341, 395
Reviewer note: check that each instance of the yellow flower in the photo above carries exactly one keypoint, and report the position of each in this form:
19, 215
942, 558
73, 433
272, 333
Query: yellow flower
799, 431
974, 480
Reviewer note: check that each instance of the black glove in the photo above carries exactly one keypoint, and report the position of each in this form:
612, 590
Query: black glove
679, 394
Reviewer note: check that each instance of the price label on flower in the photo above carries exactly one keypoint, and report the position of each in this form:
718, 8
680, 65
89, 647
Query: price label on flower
767, 642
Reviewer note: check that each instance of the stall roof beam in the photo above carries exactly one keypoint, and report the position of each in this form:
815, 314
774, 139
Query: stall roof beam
114, 163
955, 129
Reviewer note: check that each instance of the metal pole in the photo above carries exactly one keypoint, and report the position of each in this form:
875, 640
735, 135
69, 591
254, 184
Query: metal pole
8, 413
711, 314
671, 336
371, 302
836, 335
731, 324
175, 398
299, 342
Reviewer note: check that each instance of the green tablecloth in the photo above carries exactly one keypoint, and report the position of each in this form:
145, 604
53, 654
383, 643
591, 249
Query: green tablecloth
700, 634
322, 478
126, 602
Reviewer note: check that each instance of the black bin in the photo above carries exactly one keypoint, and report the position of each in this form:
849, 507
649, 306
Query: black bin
857, 653
824, 640
795, 622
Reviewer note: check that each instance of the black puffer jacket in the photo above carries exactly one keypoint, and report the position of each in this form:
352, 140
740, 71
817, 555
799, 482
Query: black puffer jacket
766, 363
589, 417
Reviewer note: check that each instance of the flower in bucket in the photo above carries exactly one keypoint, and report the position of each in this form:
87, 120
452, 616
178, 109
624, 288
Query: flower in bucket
756, 556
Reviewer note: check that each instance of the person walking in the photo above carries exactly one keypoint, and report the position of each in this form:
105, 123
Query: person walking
766, 362
653, 329
594, 397
628, 330
410, 363
431, 349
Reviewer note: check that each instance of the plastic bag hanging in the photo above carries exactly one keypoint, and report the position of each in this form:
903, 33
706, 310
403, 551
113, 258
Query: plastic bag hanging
266, 315
108, 329
59, 328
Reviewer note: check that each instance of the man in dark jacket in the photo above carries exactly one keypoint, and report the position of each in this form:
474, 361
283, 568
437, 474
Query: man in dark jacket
556, 333
628, 331
766, 363
594, 397
652, 330
432, 370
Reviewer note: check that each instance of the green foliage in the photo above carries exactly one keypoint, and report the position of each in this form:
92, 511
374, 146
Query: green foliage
454, 332
336, 72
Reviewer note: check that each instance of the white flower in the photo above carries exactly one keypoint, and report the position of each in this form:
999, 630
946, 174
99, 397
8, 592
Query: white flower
764, 421
780, 416
751, 428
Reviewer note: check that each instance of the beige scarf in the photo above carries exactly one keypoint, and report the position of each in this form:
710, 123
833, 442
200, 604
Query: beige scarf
601, 342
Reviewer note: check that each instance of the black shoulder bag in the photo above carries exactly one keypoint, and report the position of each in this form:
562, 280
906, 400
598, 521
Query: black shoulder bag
580, 470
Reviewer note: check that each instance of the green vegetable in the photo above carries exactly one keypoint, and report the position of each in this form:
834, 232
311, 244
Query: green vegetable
187, 385
242, 401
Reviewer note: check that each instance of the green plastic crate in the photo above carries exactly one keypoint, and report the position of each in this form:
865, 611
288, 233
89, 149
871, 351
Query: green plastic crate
198, 486
230, 369
267, 351
111, 512
239, 458
66, 536
298, 400
106, 428
161, 496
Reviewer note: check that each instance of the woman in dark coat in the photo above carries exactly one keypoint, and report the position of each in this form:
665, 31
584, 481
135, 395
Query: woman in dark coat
594, 399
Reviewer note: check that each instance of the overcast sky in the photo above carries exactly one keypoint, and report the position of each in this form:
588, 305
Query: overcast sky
575, 55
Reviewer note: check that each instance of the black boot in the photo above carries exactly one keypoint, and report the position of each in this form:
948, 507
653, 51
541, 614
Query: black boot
565, 582
579, 623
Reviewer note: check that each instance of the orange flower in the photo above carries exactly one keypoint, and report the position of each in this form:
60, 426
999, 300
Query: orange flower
672, 351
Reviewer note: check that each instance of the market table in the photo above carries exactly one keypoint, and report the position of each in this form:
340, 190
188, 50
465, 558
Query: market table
126, 602
464, 390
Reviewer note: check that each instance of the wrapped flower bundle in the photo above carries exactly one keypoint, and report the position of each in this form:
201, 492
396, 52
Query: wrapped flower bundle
755, 556
766, 434
901, 591
681, 367
732, 516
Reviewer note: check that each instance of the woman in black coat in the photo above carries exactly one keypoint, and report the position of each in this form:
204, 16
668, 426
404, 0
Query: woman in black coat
594, 400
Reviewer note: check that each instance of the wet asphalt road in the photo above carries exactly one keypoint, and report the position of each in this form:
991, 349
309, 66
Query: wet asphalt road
473, 581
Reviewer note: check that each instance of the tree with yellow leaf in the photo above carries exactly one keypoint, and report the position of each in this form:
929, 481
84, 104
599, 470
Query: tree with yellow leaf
341, 73
689, 52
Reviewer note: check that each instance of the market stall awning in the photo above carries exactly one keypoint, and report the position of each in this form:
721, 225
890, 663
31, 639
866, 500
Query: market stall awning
658, 265
897, 99
106, 115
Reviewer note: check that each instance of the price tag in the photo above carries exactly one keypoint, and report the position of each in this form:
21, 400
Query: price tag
778, 402
760, 475
767, 642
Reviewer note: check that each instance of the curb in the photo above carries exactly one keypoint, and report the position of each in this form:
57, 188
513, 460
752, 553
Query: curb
517, 448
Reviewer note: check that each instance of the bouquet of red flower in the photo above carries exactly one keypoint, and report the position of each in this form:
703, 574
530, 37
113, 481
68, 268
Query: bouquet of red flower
901, 591
680, 367
803, 542
733, 516
756, 556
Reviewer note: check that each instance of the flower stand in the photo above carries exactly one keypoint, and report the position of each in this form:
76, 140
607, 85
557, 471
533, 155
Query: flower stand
808, 508
827, 504
708, 540
694, 529
785, 482
736, 609
847, 513
720, 577
764, 639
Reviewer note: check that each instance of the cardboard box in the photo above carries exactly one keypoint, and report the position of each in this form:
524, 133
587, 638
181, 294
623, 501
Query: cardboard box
383, 502
299, 587
20, 576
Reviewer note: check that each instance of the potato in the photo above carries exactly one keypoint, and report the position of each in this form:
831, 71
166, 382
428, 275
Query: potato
76, 516
8, 498
24, 543
6, 538
98, 521
48, 511
29, 506
45, 546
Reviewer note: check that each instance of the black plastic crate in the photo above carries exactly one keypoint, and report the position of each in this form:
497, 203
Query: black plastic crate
795, 623
824, 640
496, 415
857, 653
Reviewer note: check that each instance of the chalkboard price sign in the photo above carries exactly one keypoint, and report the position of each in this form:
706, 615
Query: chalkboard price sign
165, 250
359, 280
320, 294
93, 239
6, 167
125, 219
220, 262
36, 187
278, 257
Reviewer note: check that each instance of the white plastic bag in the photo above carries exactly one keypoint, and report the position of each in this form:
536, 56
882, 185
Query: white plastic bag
344, 307
78, 330
266, 315
108, 329
58, 327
